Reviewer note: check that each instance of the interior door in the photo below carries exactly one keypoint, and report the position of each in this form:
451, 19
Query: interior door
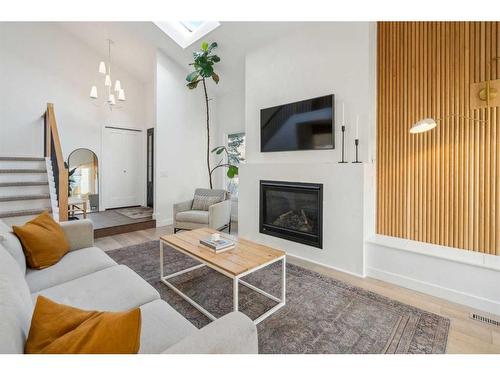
122, 161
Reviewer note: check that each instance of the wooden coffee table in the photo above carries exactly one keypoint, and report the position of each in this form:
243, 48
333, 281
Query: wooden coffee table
245, 258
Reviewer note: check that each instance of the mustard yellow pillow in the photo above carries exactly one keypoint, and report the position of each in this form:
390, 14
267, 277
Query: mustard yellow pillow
44, 243
61, 329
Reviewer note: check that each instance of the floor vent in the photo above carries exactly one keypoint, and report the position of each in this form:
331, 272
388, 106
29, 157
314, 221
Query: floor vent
485, 319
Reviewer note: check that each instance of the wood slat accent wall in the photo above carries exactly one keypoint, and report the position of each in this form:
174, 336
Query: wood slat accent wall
441, 186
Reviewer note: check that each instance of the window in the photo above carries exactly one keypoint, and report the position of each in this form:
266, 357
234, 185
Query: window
236, 155
191, 26
185, 33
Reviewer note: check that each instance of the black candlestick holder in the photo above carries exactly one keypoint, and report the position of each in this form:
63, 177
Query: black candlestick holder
343, 131
356, 144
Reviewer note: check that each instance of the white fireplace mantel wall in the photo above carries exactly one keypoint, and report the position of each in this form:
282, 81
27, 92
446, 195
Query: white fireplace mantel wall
342, 210
333, 58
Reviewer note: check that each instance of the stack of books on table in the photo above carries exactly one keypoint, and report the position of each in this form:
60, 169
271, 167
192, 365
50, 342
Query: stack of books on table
218, 246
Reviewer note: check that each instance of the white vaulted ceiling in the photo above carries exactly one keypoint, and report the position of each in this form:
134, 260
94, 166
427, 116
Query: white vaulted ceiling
136, 44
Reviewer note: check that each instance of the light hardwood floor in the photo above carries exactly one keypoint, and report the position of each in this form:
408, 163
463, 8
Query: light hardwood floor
465, 336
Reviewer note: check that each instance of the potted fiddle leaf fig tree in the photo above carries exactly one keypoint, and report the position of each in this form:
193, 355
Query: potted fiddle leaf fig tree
232, 170
203, 65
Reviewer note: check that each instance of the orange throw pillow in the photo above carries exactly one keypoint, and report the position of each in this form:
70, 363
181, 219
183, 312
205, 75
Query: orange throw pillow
61, 329
43, 240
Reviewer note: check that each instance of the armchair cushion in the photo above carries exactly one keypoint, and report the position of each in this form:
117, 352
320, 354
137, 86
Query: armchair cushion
192, 216
182, 206
203, 202
221, 193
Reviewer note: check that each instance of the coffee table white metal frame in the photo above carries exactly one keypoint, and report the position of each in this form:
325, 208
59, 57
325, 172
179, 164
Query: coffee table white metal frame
236, 281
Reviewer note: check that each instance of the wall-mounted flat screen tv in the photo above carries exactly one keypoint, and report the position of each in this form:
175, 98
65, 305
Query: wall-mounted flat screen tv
304, 125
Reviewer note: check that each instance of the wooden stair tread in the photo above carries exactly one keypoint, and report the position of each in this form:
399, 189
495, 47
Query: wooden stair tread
24, 197
23, 183
23, 170
4, 214
21, 158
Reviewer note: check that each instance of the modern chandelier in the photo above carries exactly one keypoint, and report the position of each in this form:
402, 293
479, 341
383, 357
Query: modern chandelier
111, 94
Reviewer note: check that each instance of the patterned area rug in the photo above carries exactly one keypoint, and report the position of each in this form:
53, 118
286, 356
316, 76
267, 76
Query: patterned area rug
136, 212
322, 315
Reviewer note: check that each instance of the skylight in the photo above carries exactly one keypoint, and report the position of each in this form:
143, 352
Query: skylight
192, 25
185, 33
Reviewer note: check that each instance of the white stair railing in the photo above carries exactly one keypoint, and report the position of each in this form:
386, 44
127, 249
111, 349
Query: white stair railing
52, 189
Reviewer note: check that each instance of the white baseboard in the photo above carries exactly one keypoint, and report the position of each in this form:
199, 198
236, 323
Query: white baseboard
325, 265
164, 222
453, 295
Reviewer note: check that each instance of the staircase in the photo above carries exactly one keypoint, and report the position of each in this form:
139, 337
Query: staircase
26, 189
32, 185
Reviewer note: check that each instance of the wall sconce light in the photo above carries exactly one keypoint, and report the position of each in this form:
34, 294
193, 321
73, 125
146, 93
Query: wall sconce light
429, 123
423, 125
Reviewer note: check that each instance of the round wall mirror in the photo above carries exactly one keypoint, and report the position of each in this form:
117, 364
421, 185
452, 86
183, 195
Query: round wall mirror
84, 177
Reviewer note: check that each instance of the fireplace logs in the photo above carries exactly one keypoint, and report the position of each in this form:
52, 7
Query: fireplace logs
295, 221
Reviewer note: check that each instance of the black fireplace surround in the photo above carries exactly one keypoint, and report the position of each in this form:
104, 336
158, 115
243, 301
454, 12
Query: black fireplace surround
293, 211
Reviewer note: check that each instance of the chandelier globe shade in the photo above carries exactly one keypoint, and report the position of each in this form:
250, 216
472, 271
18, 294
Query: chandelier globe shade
102, 67
93, 92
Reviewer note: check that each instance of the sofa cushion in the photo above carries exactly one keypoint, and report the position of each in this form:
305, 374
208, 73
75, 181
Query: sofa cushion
16, 307
79, 233
61, 329
116, 288
193, 216
12, 244
44, 242
73, 265
162, 326
234, 333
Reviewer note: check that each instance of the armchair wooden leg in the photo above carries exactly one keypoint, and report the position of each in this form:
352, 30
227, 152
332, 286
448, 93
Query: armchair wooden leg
175, 230
229, 227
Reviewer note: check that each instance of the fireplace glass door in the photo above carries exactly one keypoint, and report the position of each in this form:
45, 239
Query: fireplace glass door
292, 210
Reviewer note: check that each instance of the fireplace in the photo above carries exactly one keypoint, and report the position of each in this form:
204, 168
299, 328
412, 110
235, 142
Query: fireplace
293, 211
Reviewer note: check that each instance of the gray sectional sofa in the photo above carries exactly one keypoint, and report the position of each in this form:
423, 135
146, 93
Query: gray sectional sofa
87, 278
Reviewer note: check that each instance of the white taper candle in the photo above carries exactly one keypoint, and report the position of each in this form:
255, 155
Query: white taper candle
357, 126
343, 114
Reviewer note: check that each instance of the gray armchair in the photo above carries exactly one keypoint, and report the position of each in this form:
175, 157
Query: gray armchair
216, 215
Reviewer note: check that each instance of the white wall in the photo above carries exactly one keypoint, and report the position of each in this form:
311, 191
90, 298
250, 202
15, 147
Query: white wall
42, 62
320, 59
342, 210
460, 276
179, 140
